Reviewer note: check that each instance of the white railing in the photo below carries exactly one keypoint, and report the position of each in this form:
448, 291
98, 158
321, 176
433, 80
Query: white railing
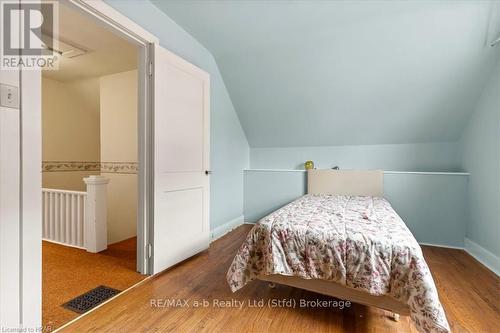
76, 218
64, 216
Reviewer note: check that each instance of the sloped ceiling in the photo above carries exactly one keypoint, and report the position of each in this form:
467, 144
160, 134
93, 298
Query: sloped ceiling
316, 73
106, 52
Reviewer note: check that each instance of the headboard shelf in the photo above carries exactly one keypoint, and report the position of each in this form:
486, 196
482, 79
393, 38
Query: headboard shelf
386, 172
346, 182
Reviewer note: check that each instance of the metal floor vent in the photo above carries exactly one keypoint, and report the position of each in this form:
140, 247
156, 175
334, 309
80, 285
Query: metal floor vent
90, 299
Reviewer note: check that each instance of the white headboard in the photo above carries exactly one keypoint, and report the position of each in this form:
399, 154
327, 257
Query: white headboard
346, 182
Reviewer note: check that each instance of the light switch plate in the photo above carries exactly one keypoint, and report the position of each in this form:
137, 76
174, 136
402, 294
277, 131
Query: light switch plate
9, 96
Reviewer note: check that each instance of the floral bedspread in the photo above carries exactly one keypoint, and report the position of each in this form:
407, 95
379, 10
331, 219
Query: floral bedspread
360, 242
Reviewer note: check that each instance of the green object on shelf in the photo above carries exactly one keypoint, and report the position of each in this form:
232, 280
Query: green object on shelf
309, 165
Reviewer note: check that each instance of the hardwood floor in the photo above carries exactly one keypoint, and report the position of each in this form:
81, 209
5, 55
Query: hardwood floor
468, 291
69, 272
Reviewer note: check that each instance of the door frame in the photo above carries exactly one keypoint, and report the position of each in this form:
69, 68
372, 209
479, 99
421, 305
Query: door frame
21, 306
109, 17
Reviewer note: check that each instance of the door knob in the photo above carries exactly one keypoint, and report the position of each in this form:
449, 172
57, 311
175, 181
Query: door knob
208, 172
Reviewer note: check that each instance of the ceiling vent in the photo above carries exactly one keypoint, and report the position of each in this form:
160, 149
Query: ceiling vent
65, 50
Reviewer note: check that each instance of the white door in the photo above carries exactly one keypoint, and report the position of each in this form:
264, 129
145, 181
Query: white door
181, 160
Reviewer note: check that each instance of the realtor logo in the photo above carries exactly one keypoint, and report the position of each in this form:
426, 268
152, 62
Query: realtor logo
28, 35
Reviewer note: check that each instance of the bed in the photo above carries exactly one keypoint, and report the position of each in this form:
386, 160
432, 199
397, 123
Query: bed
343, 239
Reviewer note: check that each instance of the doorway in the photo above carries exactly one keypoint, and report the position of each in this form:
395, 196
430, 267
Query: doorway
173, 97
90, 169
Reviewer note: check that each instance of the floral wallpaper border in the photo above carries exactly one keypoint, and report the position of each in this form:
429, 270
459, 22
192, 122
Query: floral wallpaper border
119, 167
105, 167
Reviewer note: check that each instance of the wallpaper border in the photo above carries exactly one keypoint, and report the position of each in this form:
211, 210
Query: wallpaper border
105, 167
119, 167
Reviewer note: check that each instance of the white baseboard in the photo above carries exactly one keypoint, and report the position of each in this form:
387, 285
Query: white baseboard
444, 246
221, 230
482, 255
63, 244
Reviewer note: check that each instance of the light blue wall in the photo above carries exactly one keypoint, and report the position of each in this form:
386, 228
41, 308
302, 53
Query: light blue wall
481, 157
444, 156
432, 206
229, 148
266, 191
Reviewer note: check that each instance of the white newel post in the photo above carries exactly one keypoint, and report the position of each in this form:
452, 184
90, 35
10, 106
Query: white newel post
95, 228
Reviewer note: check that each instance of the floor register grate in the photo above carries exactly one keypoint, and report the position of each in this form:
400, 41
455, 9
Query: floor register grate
90, 299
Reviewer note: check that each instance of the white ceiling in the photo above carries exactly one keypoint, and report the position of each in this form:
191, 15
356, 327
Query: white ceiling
319, 73
107, 53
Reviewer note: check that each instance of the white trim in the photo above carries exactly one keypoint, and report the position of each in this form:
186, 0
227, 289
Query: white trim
385, 172
105, 14
221, 230
428, 173
107, 301
63, 244
485, 257
274, 170
443, 246
53, 190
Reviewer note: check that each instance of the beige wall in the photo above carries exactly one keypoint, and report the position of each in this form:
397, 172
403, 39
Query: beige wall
70, 127
119, 117
95, 120
118, 105
66, 180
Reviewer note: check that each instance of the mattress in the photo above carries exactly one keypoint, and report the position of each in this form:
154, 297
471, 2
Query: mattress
357, 241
